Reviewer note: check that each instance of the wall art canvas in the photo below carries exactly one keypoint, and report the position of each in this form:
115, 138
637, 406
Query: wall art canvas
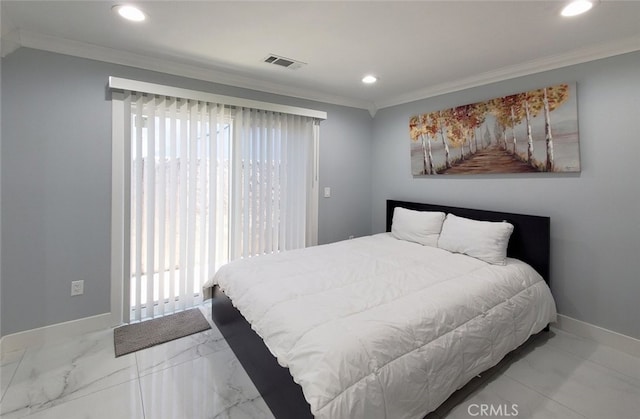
534, 131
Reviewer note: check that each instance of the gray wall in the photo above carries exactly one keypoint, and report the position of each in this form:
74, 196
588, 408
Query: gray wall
56, 180
595, 215
55, 174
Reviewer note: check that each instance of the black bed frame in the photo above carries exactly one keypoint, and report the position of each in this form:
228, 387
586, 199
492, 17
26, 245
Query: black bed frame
529, 242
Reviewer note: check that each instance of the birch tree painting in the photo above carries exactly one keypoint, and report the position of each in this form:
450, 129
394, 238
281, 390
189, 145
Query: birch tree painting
534, 131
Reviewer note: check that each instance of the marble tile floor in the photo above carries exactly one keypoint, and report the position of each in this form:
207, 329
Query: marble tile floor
554, 375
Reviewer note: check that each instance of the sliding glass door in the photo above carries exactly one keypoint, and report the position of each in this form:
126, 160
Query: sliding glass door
180, 194
198, 183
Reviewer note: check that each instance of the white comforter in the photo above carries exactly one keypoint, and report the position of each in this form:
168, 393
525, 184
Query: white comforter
383, 328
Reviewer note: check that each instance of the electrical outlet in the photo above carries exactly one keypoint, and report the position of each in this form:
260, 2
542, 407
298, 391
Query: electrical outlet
77, 287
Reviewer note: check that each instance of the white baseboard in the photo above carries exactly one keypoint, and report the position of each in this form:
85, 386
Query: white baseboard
607, 337
34, 337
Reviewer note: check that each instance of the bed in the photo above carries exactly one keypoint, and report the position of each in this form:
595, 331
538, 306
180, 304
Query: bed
379, 327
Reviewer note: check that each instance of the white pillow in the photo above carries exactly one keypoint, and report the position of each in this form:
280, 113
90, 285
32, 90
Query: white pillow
417, 226
483, 240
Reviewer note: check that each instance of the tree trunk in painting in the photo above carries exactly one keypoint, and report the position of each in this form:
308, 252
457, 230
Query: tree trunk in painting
529, 136
475, 138
427, 158
431, 169
497, 133
513, 129
446, 149
425, 165
547, 133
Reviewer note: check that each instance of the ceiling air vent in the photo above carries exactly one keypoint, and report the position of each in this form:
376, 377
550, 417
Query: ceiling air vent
283, 62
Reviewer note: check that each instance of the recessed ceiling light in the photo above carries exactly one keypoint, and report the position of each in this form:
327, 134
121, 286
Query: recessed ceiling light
129, 12
576, 7
369, 79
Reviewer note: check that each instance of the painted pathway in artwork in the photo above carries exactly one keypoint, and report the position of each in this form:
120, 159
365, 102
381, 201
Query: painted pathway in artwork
490, 160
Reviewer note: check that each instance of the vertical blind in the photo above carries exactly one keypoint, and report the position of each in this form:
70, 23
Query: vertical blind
276, 173
211, 183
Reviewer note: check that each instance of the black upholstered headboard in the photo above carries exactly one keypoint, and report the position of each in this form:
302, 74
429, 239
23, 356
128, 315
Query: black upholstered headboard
529, 241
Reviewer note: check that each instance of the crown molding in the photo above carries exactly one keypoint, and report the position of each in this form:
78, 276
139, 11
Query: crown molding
96, 52
17, 38
552, 62
9, 42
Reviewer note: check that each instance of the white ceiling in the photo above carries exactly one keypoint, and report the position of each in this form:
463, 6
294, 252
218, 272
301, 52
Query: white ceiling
417, 49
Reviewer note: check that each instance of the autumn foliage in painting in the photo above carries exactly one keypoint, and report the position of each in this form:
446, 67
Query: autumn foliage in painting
498, 135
